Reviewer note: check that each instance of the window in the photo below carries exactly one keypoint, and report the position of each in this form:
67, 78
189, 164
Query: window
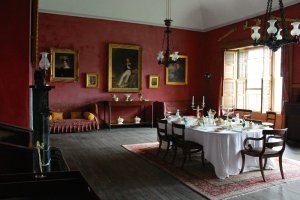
252, 79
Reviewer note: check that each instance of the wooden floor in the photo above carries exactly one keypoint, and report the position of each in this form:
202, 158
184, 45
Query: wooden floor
115, 173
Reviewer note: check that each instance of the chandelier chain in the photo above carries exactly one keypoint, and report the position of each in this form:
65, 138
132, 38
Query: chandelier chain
284, 26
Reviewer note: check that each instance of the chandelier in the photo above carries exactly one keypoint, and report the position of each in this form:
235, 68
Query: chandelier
166, 57
272, 35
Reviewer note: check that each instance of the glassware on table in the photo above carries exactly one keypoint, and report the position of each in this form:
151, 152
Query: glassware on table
211, 116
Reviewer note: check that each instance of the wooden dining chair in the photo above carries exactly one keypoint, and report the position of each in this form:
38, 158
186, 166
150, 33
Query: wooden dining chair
271, 138
271, 118
162, 134
259, 122
244, 113
188, 147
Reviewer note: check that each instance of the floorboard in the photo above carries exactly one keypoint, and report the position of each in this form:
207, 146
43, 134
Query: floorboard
115, 173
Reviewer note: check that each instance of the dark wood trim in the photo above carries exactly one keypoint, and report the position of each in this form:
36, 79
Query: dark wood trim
237, 44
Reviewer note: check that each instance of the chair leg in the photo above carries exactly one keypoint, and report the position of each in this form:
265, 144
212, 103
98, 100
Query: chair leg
280, 165
185, 153
159, 147
202, 157
243, 162
175, 152
168, 146
265, 164
261, 168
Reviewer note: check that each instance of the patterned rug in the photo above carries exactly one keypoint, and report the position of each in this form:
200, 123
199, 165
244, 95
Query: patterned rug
203, 180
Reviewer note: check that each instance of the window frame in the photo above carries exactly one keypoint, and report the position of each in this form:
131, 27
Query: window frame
270, 77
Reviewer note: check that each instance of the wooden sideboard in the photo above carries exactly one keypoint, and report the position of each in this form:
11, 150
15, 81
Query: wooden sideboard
144, 107
292, 120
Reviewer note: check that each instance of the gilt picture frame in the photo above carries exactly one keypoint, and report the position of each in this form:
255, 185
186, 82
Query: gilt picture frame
124, 68
92, 80
64, 65
177, 74
153, 81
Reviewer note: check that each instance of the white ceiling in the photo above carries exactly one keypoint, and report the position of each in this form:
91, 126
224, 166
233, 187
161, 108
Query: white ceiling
199, 15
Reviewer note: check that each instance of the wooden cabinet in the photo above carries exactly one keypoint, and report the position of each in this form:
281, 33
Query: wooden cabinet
145, 111
292, 121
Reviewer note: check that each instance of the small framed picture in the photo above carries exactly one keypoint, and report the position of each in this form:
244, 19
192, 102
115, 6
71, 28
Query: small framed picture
64, 65
92, 80
153, 81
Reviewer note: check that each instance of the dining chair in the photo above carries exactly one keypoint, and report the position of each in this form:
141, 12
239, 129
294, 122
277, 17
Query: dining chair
162, 130
271, 118
270, 139
188, 147
255, 121
244, 113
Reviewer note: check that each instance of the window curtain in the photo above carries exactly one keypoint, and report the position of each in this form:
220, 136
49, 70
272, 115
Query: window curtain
286, 62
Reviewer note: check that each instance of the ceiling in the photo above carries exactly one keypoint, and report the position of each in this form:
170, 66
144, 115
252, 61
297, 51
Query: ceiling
198, 15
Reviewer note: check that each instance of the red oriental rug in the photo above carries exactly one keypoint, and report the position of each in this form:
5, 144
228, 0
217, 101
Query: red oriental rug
203, 179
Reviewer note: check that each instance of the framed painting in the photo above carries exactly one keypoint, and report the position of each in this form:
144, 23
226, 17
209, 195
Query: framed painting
153, 81
124, 68
177, 74
92, 80
64, 65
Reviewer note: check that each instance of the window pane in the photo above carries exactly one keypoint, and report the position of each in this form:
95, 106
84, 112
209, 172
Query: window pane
254, 83
266, 104
242, 64
277, 64
253, 98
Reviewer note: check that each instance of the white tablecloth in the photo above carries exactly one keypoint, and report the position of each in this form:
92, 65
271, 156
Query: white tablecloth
222, 149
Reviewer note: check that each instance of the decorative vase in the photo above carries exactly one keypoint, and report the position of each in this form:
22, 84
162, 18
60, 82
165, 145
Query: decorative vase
137, 120
127, 97
120, 120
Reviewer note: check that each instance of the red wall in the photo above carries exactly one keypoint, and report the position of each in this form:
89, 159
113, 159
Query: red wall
15, 63
91, 38
214, 52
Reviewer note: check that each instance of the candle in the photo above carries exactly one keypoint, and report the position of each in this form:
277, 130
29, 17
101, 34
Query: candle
193, 100
203, 99
222, 101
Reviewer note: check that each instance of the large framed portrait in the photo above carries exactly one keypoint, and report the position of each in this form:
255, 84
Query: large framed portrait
64, 65
124, 68
177, 74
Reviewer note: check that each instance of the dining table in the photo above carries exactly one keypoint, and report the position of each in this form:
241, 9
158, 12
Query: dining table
222, 145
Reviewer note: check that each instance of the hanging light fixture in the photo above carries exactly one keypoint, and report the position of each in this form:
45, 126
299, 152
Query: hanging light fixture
166, 57
40, 72
272, 35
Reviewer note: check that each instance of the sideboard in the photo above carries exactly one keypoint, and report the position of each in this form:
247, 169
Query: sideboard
145, 111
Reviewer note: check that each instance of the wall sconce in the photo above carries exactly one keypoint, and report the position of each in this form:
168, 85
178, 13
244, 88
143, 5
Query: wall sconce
207, 75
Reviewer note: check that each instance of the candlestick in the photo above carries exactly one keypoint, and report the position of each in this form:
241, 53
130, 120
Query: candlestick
193, 101
222, 101
198, 112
